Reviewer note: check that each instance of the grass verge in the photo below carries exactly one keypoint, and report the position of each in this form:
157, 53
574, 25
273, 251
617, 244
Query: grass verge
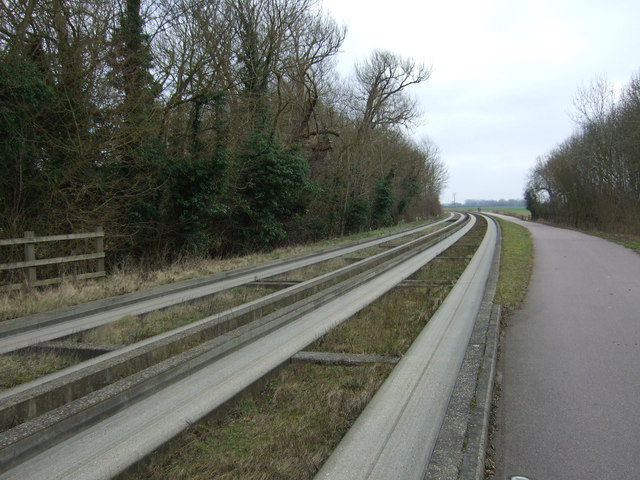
629, 241
516, 264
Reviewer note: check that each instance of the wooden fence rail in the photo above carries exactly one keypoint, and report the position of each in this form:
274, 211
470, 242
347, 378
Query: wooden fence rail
30, 263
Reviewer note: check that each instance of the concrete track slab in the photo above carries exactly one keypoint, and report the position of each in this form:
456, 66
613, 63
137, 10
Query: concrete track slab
570, 367
106, 448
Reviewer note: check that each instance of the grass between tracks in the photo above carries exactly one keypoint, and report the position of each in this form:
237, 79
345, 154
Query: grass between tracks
287, 430
23, 367
131, 329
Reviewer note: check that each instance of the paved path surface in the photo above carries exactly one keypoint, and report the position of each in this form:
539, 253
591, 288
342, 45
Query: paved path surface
570, 405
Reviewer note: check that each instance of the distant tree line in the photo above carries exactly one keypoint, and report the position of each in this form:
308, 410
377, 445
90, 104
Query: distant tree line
592, 179
512, 202
202, 126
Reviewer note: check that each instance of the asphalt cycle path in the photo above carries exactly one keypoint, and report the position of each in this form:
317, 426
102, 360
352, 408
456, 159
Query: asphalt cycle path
570, 405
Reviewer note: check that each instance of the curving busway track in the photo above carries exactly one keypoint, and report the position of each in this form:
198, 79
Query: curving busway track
410, 405
26, 331
395, 435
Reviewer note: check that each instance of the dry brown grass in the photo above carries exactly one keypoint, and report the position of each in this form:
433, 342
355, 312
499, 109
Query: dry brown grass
125, 280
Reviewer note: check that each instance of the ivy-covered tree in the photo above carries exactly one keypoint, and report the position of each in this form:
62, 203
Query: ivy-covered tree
200, 126
134, 172
381, 211
24, 101
274, 188
273, 179
197, 188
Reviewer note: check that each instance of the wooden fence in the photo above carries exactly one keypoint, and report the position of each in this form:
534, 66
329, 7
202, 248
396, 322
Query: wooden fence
30, 264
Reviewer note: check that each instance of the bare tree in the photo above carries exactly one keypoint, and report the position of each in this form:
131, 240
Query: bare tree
192, 60
435, 171
594, 103
380, 96
301, 76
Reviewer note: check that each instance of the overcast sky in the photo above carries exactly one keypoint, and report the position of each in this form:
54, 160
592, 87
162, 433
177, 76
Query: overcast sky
505, 73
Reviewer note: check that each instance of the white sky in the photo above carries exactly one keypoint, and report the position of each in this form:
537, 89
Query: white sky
505, 73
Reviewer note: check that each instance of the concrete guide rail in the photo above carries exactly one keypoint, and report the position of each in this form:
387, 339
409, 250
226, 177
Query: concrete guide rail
25, 331
31, 399
395, 435
106, 448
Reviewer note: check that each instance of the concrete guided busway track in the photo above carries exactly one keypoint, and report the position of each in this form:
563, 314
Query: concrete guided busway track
105, 448
397, 432
23, 332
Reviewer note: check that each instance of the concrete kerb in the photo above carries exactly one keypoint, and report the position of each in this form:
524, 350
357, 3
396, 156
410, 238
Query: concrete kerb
461, 447
474, 458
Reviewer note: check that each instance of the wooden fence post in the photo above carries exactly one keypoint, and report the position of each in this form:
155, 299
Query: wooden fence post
100, 248
30, 256
30, 264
